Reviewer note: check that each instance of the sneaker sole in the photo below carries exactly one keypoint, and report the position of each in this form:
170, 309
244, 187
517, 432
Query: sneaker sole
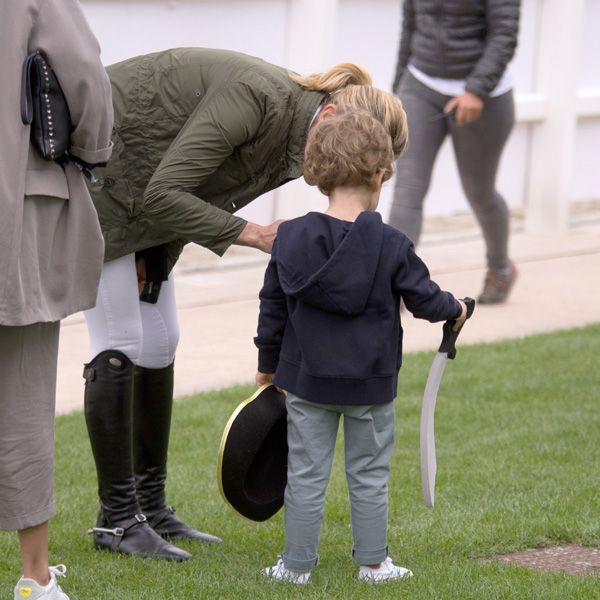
398, 578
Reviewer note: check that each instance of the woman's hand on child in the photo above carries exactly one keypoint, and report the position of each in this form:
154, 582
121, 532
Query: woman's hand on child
259, 236
460, 320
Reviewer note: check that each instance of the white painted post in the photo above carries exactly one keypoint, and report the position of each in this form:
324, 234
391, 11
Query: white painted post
311, 28
552, 143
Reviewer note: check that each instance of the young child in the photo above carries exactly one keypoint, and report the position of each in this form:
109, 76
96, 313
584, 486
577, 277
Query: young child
329, 334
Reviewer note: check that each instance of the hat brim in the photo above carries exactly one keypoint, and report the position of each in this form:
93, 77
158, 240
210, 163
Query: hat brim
252, 462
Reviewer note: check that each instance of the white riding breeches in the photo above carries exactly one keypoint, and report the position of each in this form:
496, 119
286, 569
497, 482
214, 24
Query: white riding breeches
146, 333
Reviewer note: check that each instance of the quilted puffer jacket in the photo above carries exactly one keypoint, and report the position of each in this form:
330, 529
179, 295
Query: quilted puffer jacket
198, 134
459, 39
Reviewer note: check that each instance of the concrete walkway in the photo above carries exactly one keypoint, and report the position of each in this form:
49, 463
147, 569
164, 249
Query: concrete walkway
558, 287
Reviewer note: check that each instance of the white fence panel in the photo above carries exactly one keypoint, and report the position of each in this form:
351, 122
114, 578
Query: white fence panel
309, 35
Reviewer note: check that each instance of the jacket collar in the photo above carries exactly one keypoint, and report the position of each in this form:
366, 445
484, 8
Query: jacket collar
304, 111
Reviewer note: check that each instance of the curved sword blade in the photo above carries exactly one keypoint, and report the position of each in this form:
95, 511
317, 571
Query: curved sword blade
428, 460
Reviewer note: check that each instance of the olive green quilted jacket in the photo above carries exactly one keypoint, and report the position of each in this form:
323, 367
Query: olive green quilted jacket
198, 134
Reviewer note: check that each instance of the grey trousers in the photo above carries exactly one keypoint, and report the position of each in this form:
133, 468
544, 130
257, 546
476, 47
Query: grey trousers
477, 147
368, 445
28, 357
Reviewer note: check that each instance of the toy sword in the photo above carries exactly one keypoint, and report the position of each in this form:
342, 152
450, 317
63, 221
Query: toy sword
446, 350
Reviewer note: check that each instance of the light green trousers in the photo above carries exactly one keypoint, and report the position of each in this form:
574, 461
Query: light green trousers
368, 445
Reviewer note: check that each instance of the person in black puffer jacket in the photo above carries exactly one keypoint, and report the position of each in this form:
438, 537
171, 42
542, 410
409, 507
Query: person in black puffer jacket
451, 77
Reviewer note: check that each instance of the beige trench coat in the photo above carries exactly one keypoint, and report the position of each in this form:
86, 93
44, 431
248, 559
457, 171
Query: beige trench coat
51, 247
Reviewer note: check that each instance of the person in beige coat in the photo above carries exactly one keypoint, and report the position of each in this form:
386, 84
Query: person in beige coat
51, 253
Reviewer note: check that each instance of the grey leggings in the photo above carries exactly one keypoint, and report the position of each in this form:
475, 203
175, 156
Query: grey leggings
477, 146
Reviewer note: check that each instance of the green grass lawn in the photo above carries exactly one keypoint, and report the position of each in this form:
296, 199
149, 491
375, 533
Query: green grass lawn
518, 445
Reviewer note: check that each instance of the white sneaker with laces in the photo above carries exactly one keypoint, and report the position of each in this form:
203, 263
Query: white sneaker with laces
28, 589
279, 572
386, 572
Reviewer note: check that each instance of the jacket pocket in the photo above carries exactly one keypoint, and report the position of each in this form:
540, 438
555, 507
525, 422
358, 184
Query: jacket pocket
45, 178
41, 183
113, 189
118, 191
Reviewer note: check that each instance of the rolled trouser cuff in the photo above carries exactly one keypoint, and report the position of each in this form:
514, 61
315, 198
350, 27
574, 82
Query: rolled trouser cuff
370, 557
299, 566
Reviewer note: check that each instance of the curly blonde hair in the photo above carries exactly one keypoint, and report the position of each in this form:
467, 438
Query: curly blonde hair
347, 149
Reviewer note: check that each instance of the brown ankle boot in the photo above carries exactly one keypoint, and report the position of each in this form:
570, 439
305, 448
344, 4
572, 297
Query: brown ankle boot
497, 286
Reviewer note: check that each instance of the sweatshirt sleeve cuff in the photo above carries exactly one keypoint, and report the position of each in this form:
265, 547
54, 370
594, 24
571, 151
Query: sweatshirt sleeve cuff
458, 308
267, 361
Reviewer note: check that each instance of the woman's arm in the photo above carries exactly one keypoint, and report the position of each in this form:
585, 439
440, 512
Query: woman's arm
502, 21
404, 52
63, 35
218, 125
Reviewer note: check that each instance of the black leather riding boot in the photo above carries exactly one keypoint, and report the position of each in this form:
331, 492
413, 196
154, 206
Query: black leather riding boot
152, 406
121, 525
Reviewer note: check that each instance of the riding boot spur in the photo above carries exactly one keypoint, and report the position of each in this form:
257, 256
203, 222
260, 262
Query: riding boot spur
152, 408
121, 526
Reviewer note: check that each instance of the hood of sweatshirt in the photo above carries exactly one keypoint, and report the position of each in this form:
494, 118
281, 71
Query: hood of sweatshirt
329, 263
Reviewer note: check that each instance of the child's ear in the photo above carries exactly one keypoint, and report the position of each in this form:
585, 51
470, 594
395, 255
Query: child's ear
378, 178
328, 110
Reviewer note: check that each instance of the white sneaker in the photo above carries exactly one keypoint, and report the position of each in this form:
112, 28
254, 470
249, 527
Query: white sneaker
386, 572
280, 573
28, 589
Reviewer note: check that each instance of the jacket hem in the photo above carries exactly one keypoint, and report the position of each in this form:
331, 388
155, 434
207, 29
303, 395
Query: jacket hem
335, 390
12, 318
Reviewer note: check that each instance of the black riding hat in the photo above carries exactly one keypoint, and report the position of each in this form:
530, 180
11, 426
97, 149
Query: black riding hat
252, 466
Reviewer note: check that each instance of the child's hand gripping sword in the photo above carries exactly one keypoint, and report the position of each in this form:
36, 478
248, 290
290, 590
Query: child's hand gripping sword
446, 350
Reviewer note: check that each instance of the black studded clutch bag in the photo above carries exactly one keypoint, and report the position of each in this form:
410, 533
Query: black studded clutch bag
44, 107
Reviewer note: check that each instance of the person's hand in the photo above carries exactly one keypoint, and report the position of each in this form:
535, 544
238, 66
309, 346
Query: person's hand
140, 267
263, 378
459, 321
468, 108
259, 236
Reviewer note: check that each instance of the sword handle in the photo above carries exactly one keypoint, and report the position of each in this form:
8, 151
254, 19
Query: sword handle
449, 338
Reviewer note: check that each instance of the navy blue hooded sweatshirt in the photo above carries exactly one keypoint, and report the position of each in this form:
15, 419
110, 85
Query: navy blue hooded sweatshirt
329, 323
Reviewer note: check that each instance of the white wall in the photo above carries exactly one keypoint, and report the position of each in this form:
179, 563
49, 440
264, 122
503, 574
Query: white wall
309, 35
585, 183
127, 28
